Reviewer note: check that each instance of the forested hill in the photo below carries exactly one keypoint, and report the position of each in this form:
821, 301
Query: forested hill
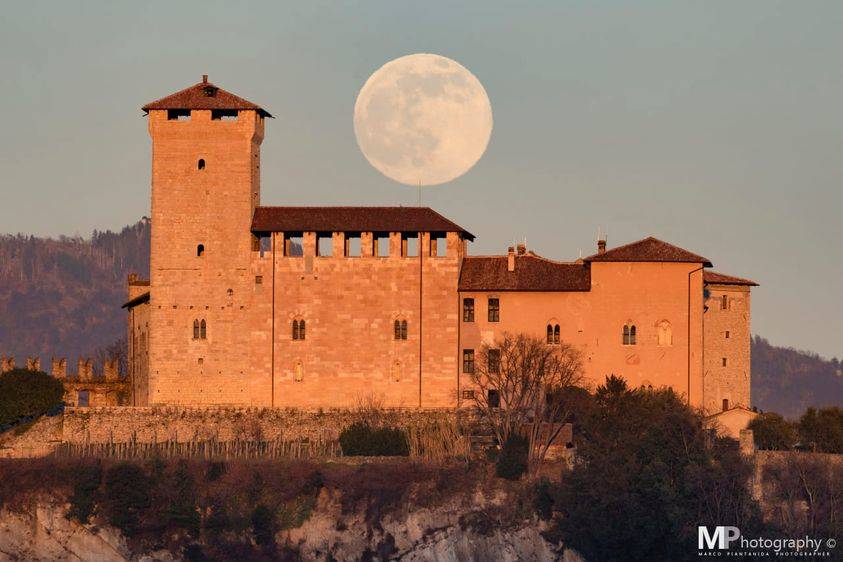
787, 381
62, 296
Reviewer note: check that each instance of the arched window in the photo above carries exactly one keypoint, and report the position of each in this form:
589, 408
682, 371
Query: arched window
549, 333
397, 329
725, 404
403, 329
200, 250
724, 302
201, 164
298, 329
665, 334
556, 339
196, 329
203, 330
629, 334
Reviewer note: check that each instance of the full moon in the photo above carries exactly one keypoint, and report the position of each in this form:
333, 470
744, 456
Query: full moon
422, 119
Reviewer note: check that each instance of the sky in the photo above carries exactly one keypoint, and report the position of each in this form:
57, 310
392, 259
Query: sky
716, 126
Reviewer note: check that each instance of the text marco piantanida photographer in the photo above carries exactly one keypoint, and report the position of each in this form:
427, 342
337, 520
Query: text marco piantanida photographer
728, 542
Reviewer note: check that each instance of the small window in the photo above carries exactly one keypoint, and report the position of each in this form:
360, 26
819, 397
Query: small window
467, 360
468, 395
549, 333
439, 247
258, 279
294, 245
494, 398
382, 246
83, 398
556, 334
468, 310
224, 114
724, 302
728, 333
495, 361
178, 115
724, 361
400, 329
201, 164
552, 332
630, 334
353, 245
409, 245
298, 330
196, 329
200, 250
494, 310
324, 245
203, 330
725, 404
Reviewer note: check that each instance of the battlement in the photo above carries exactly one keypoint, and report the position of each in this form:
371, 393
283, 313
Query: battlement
58, 368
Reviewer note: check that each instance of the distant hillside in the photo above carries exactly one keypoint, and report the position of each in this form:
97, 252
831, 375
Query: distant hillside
62, 296
787, 381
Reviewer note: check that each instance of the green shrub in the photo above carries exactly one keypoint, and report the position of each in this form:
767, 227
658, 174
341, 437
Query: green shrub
512, 462
822, 430
362, 440
84, 496
772, 432
126, 496
27, 394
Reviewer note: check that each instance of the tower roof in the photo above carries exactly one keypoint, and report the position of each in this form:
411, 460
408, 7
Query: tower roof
649, 250
204, 95
714, 278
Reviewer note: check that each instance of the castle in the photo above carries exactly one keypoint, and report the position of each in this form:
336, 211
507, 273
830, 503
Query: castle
317, 307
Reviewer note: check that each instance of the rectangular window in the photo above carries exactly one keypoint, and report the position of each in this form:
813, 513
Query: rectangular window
468, 395
724, 302
352, 245
439, 246
224, 115
409, 245
494, 398
83, 398
467, 360
178, 115
468, 310
727, 334
495, 361
293, 245
724, 361
382, 246
258, 279
324, 245
494, 310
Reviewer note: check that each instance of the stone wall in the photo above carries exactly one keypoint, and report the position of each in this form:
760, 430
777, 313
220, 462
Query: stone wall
157, 424
727, 337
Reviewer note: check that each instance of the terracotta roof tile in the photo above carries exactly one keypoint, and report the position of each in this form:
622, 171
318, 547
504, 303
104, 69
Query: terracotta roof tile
204, 95
649, 250
714, 278
532, 273
353, 219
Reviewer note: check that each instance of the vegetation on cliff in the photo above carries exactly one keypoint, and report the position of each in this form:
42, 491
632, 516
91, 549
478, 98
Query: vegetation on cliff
26, 395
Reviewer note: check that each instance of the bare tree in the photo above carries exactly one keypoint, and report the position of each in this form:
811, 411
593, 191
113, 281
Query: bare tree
520, 382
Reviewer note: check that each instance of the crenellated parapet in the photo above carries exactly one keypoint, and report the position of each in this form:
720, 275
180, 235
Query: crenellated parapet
58, 368
6, 363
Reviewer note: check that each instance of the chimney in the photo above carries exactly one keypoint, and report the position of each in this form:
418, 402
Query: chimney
204, 78
510, 259
522, 249
601, 246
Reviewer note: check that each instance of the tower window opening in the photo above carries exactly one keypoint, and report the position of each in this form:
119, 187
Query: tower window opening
178, 115
382, 246
630, 334
324, 245
203, 330
725, 404
724, 302
200, 250
409, 245
293, 245
224, 115
439, 247
298, 330
196, 329
353, 244
201, 164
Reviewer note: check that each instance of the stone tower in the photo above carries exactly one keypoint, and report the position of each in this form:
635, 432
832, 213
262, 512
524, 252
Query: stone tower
205, 187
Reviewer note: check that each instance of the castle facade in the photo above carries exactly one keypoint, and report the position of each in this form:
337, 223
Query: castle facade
324, 306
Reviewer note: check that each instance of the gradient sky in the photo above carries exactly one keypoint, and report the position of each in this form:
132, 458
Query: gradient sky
717, 126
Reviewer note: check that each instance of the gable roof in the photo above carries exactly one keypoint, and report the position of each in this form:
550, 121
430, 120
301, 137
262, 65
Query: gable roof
649, 250
714, 278
353, 219
204, 95
532, 273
